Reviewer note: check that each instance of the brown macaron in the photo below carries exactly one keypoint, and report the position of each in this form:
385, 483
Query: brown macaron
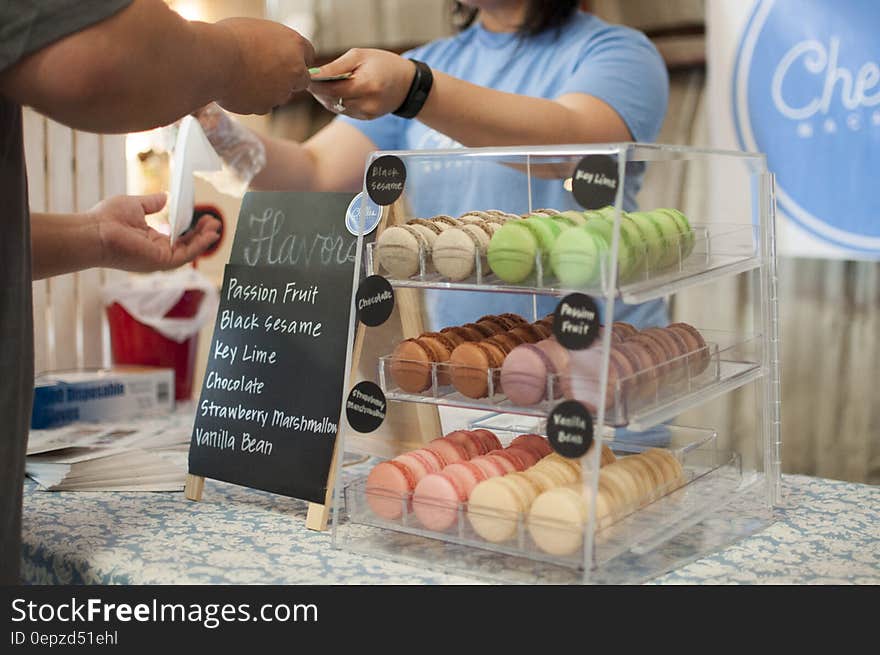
494, 324
666, 345
441, 348
470, 365
527, 333
644, 382
411, 364
625, 330
466, 333
516, 318
699, 356
545, 331
483, 328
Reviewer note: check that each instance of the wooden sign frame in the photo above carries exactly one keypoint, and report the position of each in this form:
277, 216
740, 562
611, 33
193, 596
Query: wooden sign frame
408, 318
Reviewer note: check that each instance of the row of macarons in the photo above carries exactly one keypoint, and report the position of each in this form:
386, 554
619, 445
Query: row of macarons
512, 246
445, 470
555, 517
463, 355
504, 354
640, 363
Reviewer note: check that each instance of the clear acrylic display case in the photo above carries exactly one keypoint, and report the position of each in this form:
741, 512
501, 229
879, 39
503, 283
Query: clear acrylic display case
730, 478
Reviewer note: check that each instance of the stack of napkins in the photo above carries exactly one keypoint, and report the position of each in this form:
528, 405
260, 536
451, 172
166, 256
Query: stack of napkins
145, 455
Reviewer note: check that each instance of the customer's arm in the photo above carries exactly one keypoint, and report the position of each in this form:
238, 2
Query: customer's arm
472, 115
113, 234
146, 66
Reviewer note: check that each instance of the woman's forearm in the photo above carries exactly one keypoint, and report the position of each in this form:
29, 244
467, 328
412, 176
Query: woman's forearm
476, 116
63, 243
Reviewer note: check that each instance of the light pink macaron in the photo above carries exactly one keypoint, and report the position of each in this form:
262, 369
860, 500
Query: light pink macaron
437, 499
449, 451
388, 489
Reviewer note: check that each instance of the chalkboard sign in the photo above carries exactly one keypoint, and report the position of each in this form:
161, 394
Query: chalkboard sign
271, 399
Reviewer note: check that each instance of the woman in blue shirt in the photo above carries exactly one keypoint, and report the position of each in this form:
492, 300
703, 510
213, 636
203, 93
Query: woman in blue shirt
522, 72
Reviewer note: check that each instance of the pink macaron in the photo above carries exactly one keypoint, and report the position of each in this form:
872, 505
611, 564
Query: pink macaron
490, 466
434, 462
388, 489
529, 456
514, 457
472, 445
504, 462
437, 499
524, 375
534, 442
416, 463
489, 439
449, 451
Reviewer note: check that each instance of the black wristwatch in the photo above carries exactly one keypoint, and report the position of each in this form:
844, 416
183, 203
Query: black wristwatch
421, 85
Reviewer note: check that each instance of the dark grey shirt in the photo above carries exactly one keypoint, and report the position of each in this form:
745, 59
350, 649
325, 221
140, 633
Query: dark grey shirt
25, 27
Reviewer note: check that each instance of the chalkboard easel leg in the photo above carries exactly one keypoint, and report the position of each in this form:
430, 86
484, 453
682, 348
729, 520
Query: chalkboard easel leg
195, 485
317, 517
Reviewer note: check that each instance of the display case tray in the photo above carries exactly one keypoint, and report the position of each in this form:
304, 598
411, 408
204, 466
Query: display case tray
638, 402
713, 476
721, 249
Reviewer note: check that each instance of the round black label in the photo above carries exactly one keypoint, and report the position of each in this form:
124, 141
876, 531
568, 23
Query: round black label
576, 321
595, 180
385, 179
375, 300
365, 407
570, 429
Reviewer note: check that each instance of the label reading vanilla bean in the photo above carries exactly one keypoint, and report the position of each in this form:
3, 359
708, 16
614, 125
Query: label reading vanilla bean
570, 429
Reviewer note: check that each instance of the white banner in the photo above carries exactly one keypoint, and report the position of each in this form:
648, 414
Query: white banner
799, 80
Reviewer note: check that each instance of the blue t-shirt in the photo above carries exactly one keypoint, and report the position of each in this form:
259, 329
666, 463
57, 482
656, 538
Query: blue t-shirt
587, 55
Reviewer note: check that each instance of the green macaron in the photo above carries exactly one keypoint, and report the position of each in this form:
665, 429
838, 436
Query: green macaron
573, 217
545, 231
578, 256
684, 228
653, 238
627, 245
512, 252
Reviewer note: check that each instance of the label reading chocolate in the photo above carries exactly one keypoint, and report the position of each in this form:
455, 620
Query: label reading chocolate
375, 300
385, 179
365, 407
570, 429
594, 182
576, 321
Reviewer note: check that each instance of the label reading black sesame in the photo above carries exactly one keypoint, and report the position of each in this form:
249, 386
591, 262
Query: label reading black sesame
570, 429
375, 300
594, 181
365, 407
385, 179
576, 321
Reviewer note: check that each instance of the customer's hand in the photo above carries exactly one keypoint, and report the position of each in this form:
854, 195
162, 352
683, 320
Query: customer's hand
273, 63
379, 86
128, 243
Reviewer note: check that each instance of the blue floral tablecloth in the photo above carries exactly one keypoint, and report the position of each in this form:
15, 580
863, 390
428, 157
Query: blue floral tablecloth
826, 532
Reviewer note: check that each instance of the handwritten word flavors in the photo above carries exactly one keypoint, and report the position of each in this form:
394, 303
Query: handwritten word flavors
271, 244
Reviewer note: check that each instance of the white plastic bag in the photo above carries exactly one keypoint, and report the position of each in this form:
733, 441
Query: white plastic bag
149, 297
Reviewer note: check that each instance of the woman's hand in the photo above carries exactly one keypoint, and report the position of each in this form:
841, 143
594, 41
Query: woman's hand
128, 243
379, 85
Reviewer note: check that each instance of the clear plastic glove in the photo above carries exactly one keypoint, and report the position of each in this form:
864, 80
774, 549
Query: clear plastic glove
242, 152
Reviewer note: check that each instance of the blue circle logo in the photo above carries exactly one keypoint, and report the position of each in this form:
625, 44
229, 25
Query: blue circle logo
806, 92
372, 215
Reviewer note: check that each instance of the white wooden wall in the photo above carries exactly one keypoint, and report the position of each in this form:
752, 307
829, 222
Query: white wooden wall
70, 171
